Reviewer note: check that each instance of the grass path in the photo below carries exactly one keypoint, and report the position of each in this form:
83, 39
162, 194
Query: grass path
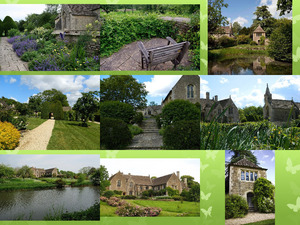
69, 135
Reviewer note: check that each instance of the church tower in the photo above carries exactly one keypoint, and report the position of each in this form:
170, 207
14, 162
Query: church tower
268, 95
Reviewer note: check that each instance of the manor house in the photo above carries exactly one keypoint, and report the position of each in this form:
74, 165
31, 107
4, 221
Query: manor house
188, 88
242, 176
277, 110
136, 185
38, 172
223, 31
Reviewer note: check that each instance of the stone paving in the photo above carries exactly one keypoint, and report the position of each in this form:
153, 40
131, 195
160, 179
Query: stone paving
9, 61
129, 58
250, 218
149, 139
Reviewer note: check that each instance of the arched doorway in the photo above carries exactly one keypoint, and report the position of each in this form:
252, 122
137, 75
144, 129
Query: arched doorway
50, 115
250, 196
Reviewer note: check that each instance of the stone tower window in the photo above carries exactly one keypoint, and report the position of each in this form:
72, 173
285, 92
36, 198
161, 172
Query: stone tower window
190, 91
119, 183
251, 176
131, 184
247, 175
255, 176
243, 175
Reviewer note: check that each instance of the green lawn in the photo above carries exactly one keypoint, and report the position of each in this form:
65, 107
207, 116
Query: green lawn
34, 122
169, 208
19, 183
69, 135
265, 222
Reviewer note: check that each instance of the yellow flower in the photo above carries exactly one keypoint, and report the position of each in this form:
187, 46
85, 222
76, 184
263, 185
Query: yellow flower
80, 64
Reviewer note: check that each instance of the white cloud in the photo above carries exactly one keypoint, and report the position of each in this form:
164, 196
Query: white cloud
266, 156
223, 80
72, 98
229, 19
277, 96
241, 20
254, 98
235, 90
262, 162
20, 11
13, 98
92, 83
273, 158
272, 5
286, 81
161, 85
259, 81
204, 87
12, 80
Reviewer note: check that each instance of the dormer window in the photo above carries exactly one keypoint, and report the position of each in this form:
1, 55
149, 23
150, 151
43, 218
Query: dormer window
190, 91
119, 183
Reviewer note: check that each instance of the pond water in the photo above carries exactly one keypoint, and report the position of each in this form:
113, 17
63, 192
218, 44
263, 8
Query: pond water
252, 65
36, 204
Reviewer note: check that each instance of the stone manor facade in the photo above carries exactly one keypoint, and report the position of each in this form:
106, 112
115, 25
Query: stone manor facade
135, 185
38, 172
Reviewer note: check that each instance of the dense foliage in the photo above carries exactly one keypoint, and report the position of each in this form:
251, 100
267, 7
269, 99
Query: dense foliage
264, 195
92, 213
114, 133
235, 206
117, 110
52, 107
8, 23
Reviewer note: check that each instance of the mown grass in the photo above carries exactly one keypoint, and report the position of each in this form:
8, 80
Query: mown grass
107, 211
19, 183
34, 122
264, 222
70, 135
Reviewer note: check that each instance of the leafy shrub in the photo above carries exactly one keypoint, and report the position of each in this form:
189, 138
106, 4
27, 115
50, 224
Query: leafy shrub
114, 134
128, 197
253, 43
9, 136
172, 192
135, 130
13, 32
30, 55
103, 199
163, 197
92, 213
243, 39
137, 211
226, 42
262, 40
177, 198
117, 110
60, 183
182, 135
264, 195
118, 192
108, 194
179, 110
138, 118
280, 46
212, 42
52, 107
20, 122
235, 206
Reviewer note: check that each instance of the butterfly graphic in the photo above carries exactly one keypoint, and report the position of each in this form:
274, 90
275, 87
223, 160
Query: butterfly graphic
202, 166
296, 57
211, 154
207, 212
205, 197
296, 207
290, 168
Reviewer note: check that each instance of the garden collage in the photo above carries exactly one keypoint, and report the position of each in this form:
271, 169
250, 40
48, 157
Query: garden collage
112, 110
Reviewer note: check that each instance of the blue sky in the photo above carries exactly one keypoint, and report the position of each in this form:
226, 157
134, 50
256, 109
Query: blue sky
62, 162
244, 90
21, 87
20, 11
144, 167
265, 158
242, 10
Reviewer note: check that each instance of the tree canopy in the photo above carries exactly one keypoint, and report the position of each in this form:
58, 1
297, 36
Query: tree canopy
104, 182
25, 172
6, 171
215, 17
285, 6
190, 180
240, 154
236, 27
8, 24
264, 19
123, 89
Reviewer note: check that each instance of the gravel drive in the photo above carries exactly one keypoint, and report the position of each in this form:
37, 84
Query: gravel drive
250, 218
38, 138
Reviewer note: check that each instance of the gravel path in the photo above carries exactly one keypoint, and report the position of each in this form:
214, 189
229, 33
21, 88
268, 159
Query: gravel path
9, 61
38, 138
250, 218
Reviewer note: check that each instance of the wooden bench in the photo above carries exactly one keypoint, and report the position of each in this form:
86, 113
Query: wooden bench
173, 52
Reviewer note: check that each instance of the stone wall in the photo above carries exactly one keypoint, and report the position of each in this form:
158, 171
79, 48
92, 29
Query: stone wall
174, 182
182, 24
114, 183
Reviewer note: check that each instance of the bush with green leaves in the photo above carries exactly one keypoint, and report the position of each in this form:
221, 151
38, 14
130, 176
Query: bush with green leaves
243, 39
114, 134
281, 41
178, 110
14, 32
108, 194
172, 192
138, 118
262, 40
226, 41
182, 135
264, 195
117, 110
253, 43
52, 107
235, 206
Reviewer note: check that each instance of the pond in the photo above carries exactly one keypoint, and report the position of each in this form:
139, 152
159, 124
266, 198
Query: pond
36, 204
249, 65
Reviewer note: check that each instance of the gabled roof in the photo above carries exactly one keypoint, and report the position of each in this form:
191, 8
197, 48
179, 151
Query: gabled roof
83, 9
50, 170
282, 104
226, 29
224, 102
259, 30
247, 163
161, 180
145, 180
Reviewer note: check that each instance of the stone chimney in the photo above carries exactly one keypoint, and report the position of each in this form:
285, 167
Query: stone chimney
216, 98
178, 174
207, 95
185, 181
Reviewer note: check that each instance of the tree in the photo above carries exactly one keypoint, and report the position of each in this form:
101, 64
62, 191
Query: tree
236, 27
96, 177
190, 180
251, 114
264, 19
104, 182
1, 28
123, 89
85, 170
87, 105
81, 178
245, 31
25, 172
264, 195
8, 24
6, 171
215, 17
152, 103
285, 6
194, 193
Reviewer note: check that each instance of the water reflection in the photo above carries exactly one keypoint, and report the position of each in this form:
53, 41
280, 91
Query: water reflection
36, 204
255, 65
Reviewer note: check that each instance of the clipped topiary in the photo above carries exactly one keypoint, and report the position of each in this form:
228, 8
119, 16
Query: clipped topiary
57, 110
182, 135
235, 206
8, 23
117, 110
264, 195
9, 136
114, 133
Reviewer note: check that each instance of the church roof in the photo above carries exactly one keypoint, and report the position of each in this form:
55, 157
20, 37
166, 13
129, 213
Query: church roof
282, 104
145, 180
224, 102
246, 163
83, 9
259, 30
161, 180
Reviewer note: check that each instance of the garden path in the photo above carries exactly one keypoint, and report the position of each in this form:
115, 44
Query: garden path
38, 138
149, 139
129, 57
250, 218
9, 61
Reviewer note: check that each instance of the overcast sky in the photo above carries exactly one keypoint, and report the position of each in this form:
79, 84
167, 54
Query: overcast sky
153, 167
62, 162
20, 11
22, 87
